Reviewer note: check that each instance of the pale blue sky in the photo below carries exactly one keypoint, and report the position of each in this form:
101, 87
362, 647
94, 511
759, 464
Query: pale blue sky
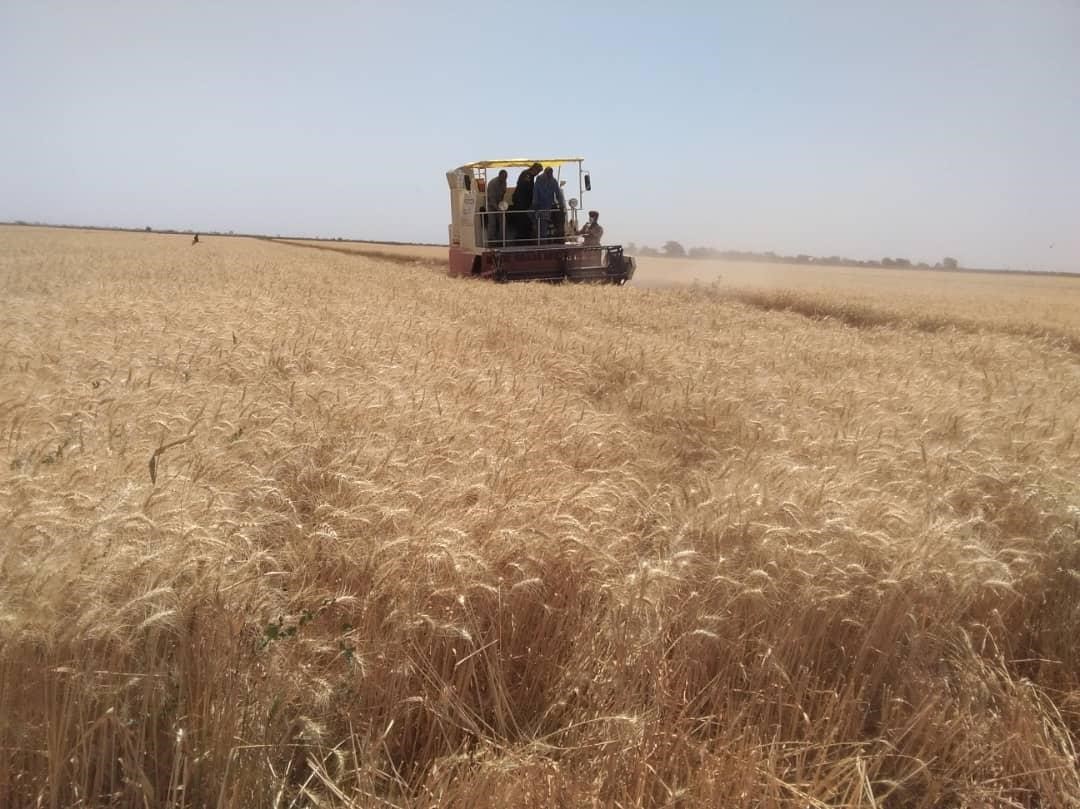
868, 129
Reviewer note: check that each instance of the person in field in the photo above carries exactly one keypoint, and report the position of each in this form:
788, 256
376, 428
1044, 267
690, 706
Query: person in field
546, 198
496, 190
592, 230
196, 239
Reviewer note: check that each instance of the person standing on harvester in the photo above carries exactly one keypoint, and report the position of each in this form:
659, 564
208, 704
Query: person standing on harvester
496, 190
547, 196
521, 201
591, 230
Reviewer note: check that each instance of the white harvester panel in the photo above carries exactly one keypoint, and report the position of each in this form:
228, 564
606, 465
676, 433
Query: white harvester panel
463, 205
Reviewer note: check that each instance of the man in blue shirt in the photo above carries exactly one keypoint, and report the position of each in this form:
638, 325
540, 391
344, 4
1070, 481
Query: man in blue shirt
547, 196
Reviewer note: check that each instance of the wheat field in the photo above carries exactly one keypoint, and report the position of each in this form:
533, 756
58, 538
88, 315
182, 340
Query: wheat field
291, 527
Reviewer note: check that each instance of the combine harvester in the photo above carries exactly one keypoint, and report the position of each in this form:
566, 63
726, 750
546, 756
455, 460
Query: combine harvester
508, 240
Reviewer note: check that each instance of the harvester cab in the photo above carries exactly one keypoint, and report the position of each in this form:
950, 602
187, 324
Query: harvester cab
501, 229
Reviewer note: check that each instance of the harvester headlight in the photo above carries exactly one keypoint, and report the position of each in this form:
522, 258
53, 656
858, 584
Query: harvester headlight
573, 204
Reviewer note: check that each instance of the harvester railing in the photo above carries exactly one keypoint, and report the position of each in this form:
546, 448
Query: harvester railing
532, 227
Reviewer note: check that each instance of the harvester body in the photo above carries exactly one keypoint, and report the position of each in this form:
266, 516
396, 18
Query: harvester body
507, 239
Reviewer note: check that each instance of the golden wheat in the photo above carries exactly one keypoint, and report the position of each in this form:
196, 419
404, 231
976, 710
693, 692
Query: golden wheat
294, 527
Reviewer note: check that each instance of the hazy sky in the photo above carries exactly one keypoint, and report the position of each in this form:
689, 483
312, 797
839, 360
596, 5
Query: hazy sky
867, 129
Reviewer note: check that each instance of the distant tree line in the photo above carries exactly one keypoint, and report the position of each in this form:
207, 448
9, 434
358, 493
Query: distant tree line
673, 249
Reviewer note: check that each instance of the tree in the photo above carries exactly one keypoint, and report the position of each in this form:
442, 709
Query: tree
674, 250
950, 263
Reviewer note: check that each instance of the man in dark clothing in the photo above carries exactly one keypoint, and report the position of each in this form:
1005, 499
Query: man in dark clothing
496, 190
592, 230
521, 203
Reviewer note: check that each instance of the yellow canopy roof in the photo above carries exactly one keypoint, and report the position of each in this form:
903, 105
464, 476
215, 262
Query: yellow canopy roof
520, 161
